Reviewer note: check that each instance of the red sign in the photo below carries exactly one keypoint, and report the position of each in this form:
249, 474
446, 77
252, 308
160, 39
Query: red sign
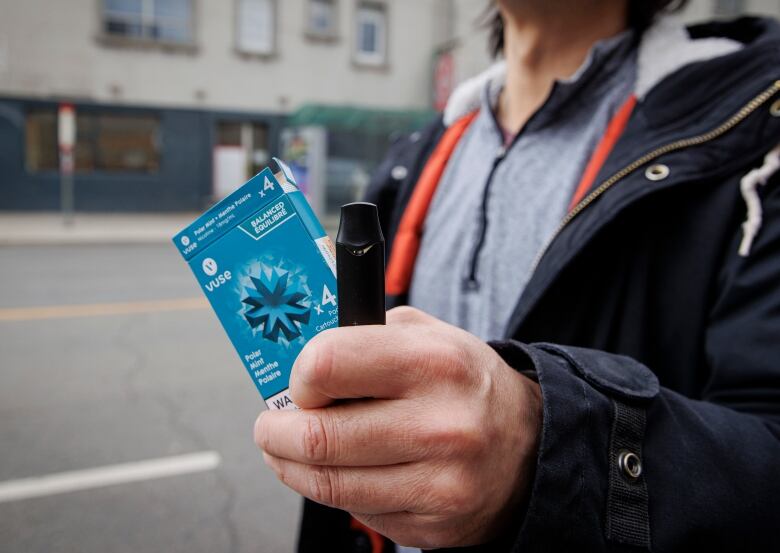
66, 136
443, 79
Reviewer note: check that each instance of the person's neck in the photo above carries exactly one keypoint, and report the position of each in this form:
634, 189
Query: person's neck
547, 40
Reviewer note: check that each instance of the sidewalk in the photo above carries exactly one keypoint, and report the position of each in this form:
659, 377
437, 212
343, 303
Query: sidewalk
93, 228
21, 229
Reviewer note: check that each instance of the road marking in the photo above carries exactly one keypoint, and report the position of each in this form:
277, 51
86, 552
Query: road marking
100, 309
64, 482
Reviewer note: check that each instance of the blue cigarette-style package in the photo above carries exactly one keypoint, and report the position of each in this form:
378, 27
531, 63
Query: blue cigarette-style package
268, 269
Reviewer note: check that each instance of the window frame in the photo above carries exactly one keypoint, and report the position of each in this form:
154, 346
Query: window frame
145, 41
360, 57
242, 49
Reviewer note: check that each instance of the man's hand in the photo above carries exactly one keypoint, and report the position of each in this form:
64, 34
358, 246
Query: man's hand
436, 445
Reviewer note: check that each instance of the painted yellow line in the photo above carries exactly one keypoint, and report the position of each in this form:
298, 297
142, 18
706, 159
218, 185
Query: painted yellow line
100, 309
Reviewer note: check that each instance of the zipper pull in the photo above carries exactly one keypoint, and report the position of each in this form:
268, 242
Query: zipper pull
500, 153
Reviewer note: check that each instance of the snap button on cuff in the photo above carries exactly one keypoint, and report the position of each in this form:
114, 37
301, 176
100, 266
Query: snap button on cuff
630, 464
657, 172
774, 109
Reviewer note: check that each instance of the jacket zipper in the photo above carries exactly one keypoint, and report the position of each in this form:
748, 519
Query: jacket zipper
697, 140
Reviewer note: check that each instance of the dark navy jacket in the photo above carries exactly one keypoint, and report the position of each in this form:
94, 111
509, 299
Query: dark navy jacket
654, 342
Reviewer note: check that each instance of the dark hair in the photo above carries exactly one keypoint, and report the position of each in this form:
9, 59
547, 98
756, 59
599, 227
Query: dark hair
641, 14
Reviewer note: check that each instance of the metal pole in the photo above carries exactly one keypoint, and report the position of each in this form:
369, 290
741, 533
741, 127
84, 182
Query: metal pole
67, 188
66, 138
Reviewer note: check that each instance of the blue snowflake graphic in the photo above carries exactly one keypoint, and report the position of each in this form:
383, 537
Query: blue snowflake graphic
274, 303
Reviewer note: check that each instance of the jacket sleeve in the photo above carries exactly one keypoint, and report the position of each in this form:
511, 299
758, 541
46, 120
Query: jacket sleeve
394, 179
625, 464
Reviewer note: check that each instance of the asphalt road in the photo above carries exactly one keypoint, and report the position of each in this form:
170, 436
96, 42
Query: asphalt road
137, 376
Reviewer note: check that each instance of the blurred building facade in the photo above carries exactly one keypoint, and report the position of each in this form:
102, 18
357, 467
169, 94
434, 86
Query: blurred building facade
175, 98
178, 101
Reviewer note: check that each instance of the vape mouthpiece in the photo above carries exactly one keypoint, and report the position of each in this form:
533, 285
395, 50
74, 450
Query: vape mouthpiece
359, 226
360, 266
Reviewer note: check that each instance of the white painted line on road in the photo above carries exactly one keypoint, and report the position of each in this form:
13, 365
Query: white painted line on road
64, 482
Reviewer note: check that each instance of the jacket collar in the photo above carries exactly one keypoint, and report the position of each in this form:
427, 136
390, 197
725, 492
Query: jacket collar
664, 48
682, 105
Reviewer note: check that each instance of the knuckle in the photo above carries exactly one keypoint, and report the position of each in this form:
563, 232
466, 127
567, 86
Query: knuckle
314, 441
424, 531
472, 438
438, 436
449, 361
456, 436
260, 436
324, 486
463, 370
413, 537
450, 495
407, 529
460, 502
315, 362
282, 474
427, 532
443, 536
404, 314
438, 439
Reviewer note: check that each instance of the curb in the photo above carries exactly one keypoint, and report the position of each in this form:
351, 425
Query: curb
97, 230
48, 229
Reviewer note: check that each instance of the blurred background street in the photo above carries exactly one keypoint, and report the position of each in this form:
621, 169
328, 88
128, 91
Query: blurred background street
143, 373
125, 415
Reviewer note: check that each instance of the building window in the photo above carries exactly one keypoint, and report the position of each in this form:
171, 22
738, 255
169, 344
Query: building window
162, 21
371, 34
104, 142
256, 26
41, 151
729, 8
117, 142
323, 18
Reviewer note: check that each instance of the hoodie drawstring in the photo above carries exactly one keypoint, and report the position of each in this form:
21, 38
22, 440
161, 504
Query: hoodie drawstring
749, 188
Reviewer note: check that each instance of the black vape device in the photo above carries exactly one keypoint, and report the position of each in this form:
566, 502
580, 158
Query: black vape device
360, 266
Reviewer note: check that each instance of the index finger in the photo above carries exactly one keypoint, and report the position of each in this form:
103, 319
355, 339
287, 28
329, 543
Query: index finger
357, 362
